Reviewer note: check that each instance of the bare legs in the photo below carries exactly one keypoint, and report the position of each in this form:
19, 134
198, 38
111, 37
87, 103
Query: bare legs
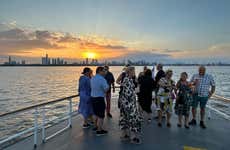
168, 114
100, 124
168, 117
202, 113
186, 120
194, 113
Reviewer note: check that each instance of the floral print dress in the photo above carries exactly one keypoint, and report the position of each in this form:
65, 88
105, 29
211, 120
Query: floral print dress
130, 118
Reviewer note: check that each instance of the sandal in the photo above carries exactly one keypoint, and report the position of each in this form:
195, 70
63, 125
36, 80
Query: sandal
125, 138
159, 124
187, 127
136, 141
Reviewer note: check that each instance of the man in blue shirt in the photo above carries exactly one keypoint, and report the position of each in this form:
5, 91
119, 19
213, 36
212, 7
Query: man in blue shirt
99, 87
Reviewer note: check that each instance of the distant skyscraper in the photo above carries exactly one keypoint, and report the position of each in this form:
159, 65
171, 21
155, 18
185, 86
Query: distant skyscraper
87, 61
43, 60
46, 60
9, 60
23, 62
54, 61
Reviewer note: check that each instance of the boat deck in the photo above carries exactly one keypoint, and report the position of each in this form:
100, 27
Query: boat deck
215, 137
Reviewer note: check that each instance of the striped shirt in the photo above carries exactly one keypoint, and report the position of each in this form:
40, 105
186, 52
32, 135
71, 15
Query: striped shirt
203, 84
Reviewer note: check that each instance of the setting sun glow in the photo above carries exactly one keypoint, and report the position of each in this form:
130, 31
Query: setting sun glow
90, 55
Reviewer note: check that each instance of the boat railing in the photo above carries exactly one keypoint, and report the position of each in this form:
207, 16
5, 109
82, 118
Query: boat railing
36, 126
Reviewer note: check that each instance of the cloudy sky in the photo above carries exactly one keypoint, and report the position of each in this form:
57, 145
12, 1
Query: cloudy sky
162, 30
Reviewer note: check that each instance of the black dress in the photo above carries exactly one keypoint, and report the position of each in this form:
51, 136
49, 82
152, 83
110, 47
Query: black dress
145, 94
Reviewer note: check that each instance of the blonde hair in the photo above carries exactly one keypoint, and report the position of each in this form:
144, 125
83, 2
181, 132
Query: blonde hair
130, 69
168, 71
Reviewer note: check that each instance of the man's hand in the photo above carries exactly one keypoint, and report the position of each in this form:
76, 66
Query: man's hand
210, 94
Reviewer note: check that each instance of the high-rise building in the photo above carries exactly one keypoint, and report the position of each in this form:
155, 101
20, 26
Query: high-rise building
9, 60
46, 60
23, 62
87, 61
54, 61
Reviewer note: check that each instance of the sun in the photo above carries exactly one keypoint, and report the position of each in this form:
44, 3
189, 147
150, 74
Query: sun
90, 55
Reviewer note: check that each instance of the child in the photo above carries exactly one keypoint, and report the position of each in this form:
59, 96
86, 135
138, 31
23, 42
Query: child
184, 99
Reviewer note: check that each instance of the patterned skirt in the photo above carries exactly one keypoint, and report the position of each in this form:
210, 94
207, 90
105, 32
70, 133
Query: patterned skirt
184, 108
130, 118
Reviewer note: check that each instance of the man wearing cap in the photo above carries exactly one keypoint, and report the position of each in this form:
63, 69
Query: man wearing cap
110, 80
99, 87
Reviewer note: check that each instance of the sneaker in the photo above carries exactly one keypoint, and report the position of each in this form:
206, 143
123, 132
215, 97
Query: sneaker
102, 132
149, 120
91, 123
86, 126
136, 141
179, 125
202, 125
109, 115
192, 122
94, 129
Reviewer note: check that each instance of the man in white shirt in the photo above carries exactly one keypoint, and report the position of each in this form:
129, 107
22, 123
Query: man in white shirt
203, 82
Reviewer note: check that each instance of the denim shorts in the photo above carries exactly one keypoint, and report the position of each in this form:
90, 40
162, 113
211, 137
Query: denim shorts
197, 99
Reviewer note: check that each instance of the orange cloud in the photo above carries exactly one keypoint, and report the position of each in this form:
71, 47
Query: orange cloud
35, 43
21, 42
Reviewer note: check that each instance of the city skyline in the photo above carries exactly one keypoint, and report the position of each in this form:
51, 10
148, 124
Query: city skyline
150, 30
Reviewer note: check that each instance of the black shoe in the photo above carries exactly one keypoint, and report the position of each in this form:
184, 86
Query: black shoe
102, 132
159, 124
136, 141
202, 125
86, 126
168, 125
94, 129
187, 127
109, 115
179, 125
192, 122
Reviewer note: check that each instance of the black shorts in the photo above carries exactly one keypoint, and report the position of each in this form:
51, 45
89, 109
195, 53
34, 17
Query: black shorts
99, 106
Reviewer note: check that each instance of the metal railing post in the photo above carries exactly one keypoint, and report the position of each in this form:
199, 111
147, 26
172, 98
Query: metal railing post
70, 112
43, 125
35, 127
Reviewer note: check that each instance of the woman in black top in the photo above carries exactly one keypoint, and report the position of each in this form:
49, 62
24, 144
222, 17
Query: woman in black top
146, 83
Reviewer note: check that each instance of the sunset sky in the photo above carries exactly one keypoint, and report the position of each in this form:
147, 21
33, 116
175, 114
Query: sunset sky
162, 30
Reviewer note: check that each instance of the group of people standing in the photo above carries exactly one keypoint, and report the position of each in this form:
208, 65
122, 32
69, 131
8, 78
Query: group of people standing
138, 94
93, 90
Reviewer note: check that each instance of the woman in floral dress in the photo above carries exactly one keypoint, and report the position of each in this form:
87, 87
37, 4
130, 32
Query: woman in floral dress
164, 97
130, 119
